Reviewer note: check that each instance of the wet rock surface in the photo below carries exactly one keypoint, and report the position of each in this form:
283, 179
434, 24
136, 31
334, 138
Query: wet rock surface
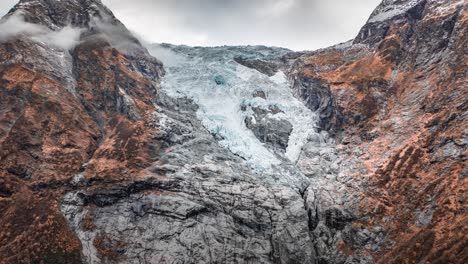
317, 96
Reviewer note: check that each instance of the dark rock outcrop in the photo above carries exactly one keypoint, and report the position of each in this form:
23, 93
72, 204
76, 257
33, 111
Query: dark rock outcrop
265, 67
269, 129
317, 97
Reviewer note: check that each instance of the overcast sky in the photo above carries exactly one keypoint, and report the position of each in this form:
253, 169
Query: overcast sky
294, 24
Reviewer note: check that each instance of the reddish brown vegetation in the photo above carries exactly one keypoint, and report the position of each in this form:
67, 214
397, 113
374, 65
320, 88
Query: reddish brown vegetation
109, 248
410, 121
35, 230
48, 135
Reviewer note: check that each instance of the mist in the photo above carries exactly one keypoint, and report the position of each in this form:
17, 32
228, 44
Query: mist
116, 34
293, 24
14, 26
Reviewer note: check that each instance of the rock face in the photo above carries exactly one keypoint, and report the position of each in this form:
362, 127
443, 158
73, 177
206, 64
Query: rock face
67, 115
400, 93
201, 205
262, 66
269, 129
351, 154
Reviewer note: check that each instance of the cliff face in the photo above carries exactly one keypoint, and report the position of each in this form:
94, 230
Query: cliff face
399, 92
357, 154
66, 114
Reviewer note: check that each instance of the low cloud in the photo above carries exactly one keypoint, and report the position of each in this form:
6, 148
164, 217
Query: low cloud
15, 26
116, 34
164, 54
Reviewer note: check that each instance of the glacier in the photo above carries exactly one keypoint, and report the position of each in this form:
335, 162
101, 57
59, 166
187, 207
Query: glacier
220, 87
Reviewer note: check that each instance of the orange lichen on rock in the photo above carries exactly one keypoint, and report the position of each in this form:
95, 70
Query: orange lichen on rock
53, 127
88, 224
36, 230
109, 248
50, 131
124, 152
367, 69
18, 74
406, 112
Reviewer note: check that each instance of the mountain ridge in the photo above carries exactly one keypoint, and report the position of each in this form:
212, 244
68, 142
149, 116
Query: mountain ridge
110, 156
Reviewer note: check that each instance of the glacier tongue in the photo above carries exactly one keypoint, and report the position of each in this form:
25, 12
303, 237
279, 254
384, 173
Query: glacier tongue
220, 87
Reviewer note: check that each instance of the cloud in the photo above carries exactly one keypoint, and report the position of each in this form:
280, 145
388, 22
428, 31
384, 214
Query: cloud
164, 54
66, 38
278, 7
294, 24
6, 5
15, 26
115, 33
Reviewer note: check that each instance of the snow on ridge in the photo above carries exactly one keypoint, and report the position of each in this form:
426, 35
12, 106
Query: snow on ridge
390, 9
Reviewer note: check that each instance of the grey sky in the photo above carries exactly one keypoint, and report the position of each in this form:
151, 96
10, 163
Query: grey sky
294, 24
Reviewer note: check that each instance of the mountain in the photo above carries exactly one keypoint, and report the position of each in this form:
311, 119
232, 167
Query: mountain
115, 152
399, 92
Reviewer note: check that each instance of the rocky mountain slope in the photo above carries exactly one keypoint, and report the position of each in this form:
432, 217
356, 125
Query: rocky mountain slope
407, 120
112, 152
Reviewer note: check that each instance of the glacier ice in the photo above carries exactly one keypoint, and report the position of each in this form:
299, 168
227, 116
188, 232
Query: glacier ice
220, 87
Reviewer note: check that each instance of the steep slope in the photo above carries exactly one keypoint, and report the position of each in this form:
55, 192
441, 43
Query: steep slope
144, 175
400, 95
67, 112
107, 157
139, 175
250, 113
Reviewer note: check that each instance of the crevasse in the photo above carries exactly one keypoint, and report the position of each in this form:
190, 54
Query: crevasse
220, 86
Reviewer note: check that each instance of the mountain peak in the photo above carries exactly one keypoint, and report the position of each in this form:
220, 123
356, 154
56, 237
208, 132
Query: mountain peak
52, 21
400, 12
56, 14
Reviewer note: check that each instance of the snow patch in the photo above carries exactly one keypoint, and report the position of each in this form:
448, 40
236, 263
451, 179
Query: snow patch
390, 9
